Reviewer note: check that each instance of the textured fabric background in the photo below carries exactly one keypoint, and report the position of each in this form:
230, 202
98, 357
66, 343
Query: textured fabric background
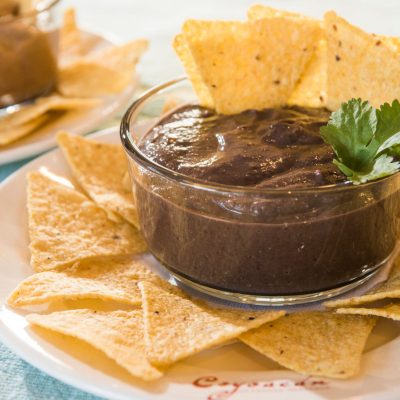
21, 381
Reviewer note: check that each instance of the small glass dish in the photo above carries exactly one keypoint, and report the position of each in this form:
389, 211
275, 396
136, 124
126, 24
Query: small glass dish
28, 52
251, 245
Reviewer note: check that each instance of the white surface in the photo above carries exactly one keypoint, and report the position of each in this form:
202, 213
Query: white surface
249, 376
79, 123
160, 20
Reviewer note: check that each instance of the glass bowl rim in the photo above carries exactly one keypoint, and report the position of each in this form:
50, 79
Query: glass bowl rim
137, 155
47, 5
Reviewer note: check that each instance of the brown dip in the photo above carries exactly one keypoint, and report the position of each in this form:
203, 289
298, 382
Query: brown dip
28, 66
269, 243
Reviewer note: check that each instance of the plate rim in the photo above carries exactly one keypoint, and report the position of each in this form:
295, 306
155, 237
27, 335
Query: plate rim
39, 363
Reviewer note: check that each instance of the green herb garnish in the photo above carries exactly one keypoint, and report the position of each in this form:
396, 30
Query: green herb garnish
365, 140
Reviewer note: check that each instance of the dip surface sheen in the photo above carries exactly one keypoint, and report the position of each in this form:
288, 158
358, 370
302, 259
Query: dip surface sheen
262, 149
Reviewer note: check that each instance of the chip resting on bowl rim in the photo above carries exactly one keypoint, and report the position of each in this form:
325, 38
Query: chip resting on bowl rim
244, 65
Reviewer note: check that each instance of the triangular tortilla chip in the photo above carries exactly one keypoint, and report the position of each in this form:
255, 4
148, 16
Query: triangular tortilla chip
258, 11
315, 343
109, 279
122, 58
70, 46
65, 227
108, 71
251, 65
391, 311
177, 326
119, 334
182, 50
42, 106
390, 289
87, 78
13, 133
359, 65
90, 163
310, 90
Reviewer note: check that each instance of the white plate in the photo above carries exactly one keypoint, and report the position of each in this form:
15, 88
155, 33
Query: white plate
78, 123
230, 372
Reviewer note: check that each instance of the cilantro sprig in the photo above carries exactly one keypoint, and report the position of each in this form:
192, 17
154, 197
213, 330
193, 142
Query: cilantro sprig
366, 141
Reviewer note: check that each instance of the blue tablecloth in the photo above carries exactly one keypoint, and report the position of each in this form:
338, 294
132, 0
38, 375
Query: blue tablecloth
8, 169
21, 381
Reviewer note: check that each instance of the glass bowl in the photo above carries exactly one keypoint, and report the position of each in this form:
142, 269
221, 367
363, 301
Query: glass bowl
28, 52
251, 245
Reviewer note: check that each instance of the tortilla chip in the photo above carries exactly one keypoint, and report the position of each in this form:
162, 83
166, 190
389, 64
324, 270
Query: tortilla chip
65, 227
391, 41
182, 50
177, 326
251, 65
124, 57
119, 334
313, 342
106, 72
258, 11
359, 65
109, 279
391, 311
70, 46
86, 78
42, 106
390, 289
310, 90
23, 5
90, 163
13, 133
